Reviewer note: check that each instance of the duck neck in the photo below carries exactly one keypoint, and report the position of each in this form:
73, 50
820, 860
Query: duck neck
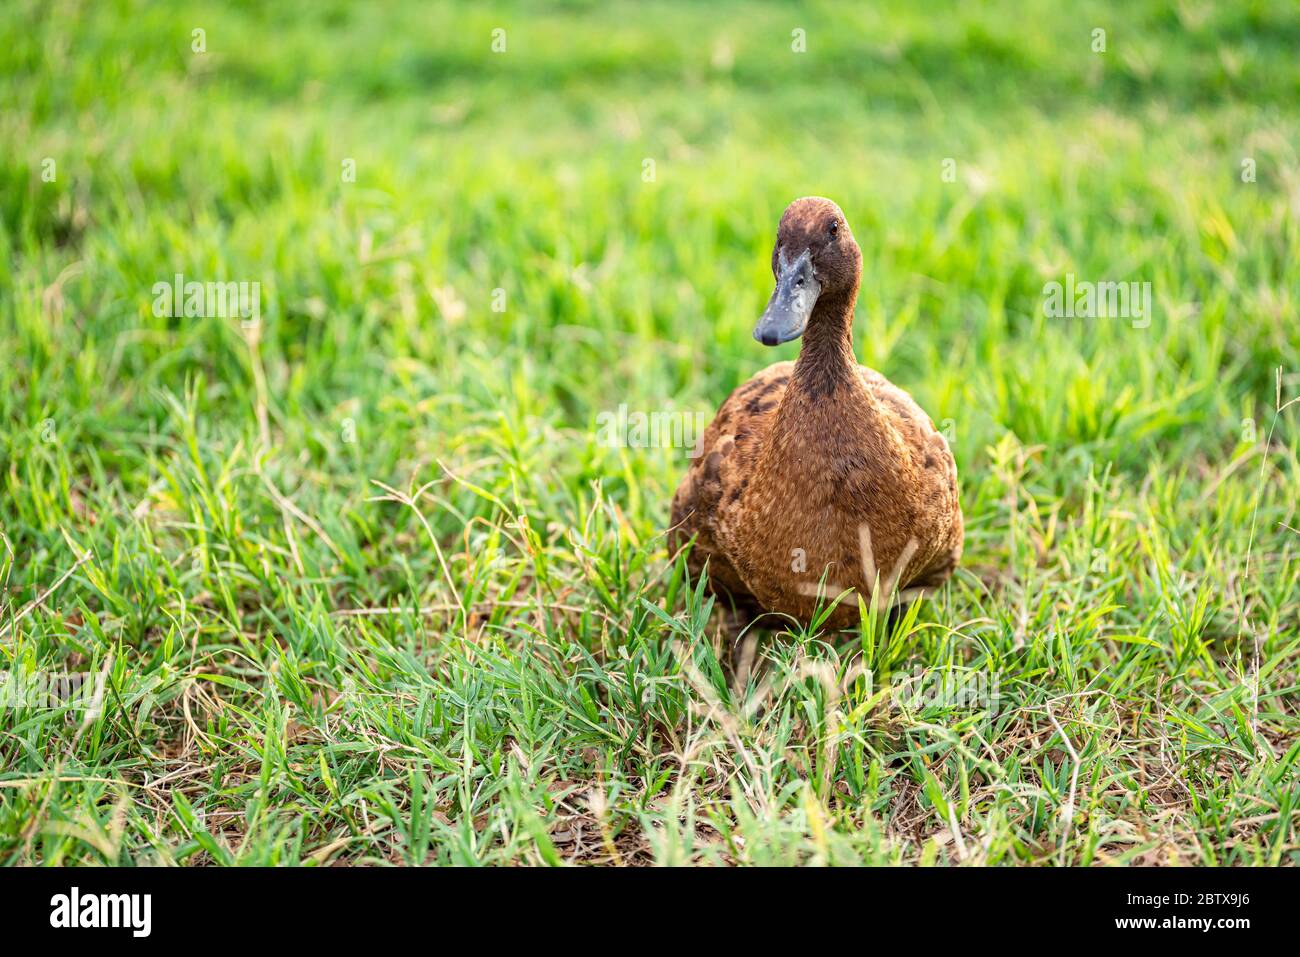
826, 362
828, 424
828, 403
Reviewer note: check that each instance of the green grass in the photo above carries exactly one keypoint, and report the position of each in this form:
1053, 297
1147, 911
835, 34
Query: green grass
538, 683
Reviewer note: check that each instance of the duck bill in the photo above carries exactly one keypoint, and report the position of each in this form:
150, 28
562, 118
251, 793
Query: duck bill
787, 312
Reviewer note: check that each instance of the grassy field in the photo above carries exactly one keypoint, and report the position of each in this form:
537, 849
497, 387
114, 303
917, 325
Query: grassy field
363, 584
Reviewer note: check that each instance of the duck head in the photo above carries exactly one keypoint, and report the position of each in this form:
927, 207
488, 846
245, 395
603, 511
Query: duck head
815, 259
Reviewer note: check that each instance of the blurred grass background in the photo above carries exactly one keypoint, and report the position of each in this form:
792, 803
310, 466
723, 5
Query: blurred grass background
1114, 478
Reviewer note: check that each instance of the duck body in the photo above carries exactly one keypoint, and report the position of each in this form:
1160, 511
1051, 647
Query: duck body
819, 477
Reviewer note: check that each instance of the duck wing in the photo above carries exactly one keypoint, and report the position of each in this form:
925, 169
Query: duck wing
719, 472
935, 497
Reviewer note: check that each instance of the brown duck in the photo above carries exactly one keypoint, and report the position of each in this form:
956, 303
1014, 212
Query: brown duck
820, 475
